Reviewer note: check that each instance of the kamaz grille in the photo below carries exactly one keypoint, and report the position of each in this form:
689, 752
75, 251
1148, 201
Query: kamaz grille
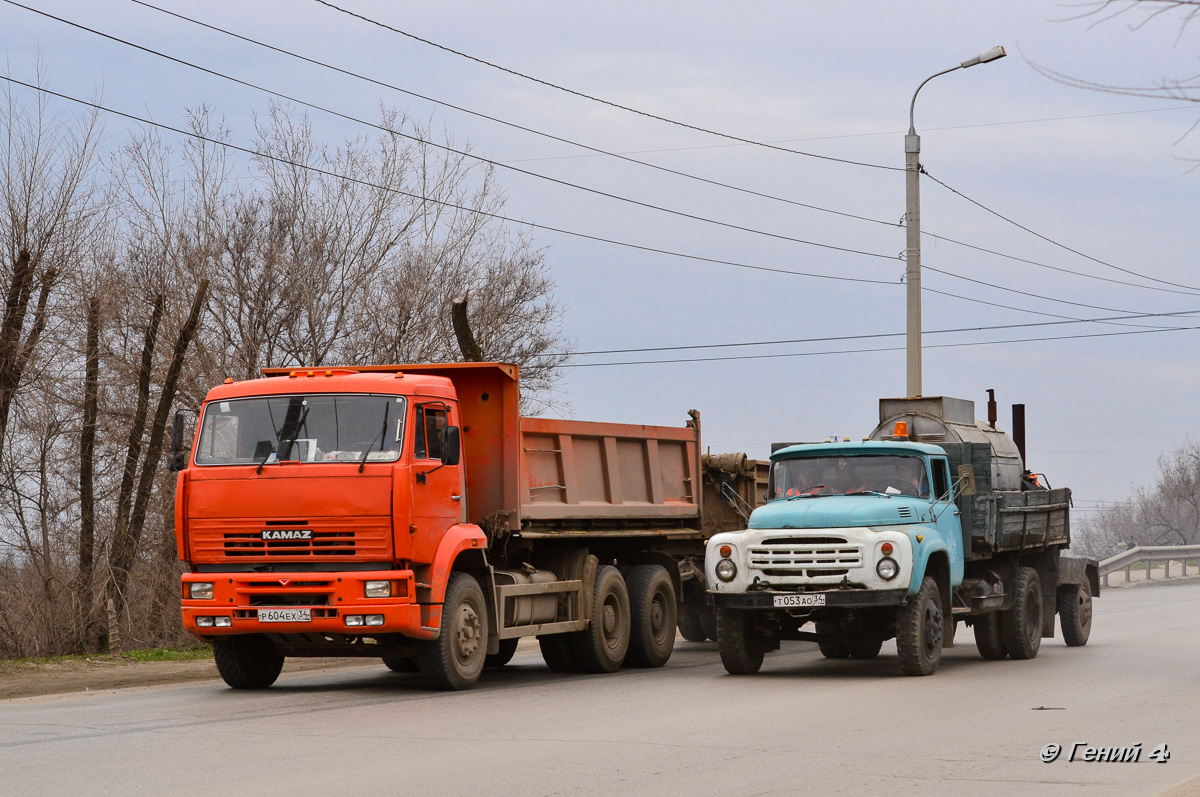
323, 543
811, 557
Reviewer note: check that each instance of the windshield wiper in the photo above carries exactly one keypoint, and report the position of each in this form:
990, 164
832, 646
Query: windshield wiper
867, 492
382, 438
811, 492
287, 446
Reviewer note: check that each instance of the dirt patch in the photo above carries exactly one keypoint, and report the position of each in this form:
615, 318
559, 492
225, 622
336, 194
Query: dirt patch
19, 680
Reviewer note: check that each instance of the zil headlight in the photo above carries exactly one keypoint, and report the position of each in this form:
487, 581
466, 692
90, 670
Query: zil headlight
726, 570
200, 590
378, 589
887, 568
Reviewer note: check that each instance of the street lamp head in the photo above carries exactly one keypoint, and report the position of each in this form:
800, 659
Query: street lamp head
990, 54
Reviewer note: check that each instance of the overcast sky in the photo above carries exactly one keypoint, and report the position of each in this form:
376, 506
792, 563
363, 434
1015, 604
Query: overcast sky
1102, 174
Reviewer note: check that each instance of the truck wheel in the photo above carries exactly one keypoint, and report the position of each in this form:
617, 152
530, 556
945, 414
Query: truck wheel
247, 662
741, 650
508, 649
708, 621
1075, 613
988, 637
652, 612
832, 648
691, 628
397, 663
602, 646
919, 631
557, 653
455, 659
863, 647
1021, 625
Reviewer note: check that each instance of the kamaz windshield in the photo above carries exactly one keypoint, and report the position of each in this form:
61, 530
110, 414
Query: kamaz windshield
319, 427
888, 474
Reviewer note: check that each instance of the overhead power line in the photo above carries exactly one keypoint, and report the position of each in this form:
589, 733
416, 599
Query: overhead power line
596, 151
447, 148
876, 349
443, 203
1049, 240
602, 101
871, 336
625, 156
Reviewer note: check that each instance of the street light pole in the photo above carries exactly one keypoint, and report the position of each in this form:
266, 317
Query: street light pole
912, 223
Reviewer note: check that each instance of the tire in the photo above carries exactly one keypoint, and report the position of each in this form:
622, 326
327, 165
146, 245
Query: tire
741, 650
691, 628
1021, 625
455, 659
863, 647
652, 616
508, 649
919, 631
397, 663
558, 653
1075, 613
603, 645
708, 621
247, 662
988, 637
832, 648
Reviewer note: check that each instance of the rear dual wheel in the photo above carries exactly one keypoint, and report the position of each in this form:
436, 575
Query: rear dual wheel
1075, 613
652, 616
1021, 624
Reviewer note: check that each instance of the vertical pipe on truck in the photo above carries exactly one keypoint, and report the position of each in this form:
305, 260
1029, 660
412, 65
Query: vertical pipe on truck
1018, 431
992, 408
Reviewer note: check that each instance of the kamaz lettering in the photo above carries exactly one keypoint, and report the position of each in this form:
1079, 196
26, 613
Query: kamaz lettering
287, 534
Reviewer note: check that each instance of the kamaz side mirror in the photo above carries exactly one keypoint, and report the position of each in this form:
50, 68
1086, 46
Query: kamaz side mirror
966, 479
451, 445
177, 433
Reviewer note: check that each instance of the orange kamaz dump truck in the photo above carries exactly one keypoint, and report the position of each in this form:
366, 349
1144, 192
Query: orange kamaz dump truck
409, 513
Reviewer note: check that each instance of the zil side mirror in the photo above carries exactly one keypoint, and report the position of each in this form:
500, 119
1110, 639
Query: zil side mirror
966, 478
451, 445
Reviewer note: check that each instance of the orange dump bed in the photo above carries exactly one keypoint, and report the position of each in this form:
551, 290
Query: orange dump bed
544, 473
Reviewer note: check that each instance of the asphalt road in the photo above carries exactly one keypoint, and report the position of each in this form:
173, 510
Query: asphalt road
804, 725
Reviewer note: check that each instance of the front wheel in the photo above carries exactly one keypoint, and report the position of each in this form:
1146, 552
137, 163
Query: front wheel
919, 631
247, 662
1075, 613
742, 650
455, 659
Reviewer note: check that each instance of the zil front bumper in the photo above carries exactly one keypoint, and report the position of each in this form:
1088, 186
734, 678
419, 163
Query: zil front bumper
829, 567
307, 603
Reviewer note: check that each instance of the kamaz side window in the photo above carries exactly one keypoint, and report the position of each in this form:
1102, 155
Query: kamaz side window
430, 423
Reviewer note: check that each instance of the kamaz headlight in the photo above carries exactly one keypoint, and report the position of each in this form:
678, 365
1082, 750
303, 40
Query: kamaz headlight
200, 590
887, 568
378, 589
726, 570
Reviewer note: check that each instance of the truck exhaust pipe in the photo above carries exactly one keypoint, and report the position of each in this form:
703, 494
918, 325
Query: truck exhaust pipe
991, 408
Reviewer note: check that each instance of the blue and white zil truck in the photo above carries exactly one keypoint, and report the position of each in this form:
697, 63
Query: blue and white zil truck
931, 519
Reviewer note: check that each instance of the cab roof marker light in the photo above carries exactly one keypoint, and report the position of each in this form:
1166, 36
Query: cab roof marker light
901, 429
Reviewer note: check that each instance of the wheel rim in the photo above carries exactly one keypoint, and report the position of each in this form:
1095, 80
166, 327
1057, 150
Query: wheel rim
1085, 608
610, 625
933, 630
467, 633
1033, 618
658, 618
